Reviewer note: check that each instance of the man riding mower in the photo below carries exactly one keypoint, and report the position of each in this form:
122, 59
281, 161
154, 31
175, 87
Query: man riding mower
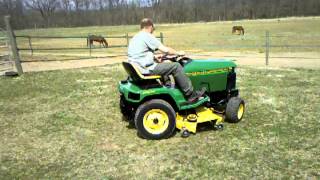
204, 91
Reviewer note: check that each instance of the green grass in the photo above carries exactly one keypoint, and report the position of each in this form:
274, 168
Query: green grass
195, 37
66, 124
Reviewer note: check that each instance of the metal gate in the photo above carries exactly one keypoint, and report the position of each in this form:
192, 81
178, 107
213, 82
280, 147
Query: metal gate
6, 63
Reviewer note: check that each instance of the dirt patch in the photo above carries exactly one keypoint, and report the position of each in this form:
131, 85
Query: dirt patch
290, 60
56, 65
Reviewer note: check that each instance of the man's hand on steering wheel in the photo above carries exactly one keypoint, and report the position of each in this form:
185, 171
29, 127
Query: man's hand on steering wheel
159, 57
181, 53
174, 57
169, 57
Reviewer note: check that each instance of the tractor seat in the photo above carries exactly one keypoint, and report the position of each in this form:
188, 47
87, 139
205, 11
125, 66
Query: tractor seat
135, 73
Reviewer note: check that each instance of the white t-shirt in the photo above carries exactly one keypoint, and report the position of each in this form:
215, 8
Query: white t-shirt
141, 51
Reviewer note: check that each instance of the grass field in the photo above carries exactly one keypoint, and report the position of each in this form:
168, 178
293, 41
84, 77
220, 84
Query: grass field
66, 124
193, 37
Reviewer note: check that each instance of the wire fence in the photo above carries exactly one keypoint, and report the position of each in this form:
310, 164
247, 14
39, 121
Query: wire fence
44, 48
48, 48
77, 43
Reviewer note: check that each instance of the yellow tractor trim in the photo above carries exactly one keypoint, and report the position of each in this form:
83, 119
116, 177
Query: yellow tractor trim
142, 76
156, 121
189, 122
240, 111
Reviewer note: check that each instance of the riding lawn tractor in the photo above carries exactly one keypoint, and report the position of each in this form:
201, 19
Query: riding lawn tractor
157, 110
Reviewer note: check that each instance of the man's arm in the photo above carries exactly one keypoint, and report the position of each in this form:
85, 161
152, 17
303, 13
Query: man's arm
153, 43
170, 51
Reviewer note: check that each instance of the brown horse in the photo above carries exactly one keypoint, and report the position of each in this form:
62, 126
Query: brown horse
99, 39
239, 30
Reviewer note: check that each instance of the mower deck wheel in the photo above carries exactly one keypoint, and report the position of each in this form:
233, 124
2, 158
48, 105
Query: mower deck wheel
185, 134
218, 127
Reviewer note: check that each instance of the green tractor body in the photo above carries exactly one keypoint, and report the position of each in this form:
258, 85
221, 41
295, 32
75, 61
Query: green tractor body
211, 74
138, 92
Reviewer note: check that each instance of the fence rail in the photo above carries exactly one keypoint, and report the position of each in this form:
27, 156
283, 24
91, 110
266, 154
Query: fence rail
295, 46
263, 42
5, 63
73, 37
213, 46
90, 48
300, 36
57, 49
64, 37
268, 41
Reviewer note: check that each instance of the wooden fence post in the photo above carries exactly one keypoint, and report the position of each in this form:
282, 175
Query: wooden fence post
161, 37
127, 37
267, 47
30, 45
88, 42
13, 44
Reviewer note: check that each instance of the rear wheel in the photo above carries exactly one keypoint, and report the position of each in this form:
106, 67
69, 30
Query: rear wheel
235, 110
123, 106
127, 110
155, 119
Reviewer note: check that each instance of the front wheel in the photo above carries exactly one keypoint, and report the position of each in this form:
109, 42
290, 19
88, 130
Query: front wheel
155, 119
235, 110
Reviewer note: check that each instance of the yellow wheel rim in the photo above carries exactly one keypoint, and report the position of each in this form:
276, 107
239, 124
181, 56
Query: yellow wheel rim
156, 121
240, 111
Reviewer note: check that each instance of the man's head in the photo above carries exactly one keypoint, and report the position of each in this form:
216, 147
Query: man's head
147, 25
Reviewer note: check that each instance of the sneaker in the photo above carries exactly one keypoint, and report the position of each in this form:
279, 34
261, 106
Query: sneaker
169, 85
196, 95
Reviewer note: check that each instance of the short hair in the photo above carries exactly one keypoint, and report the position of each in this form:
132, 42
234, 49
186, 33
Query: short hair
146, 22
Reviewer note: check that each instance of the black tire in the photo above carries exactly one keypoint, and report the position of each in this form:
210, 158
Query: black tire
234, 108
127, 110
155, 108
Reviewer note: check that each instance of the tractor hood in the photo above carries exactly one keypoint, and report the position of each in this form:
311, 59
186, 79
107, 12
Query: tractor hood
198, 65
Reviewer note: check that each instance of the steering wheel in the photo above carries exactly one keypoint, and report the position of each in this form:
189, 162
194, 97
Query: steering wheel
183, 60
173, 58
168, 57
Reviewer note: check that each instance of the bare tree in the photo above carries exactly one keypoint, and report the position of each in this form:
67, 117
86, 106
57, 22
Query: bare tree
45, 7
155, 8
15, 9
66, 5
26, 13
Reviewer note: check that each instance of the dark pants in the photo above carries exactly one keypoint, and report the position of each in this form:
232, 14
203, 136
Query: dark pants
176, 70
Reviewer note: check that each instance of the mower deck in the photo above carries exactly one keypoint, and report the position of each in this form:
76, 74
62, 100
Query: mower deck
189, 122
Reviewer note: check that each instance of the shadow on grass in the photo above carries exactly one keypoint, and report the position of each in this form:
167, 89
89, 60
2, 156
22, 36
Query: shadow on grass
130, 122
